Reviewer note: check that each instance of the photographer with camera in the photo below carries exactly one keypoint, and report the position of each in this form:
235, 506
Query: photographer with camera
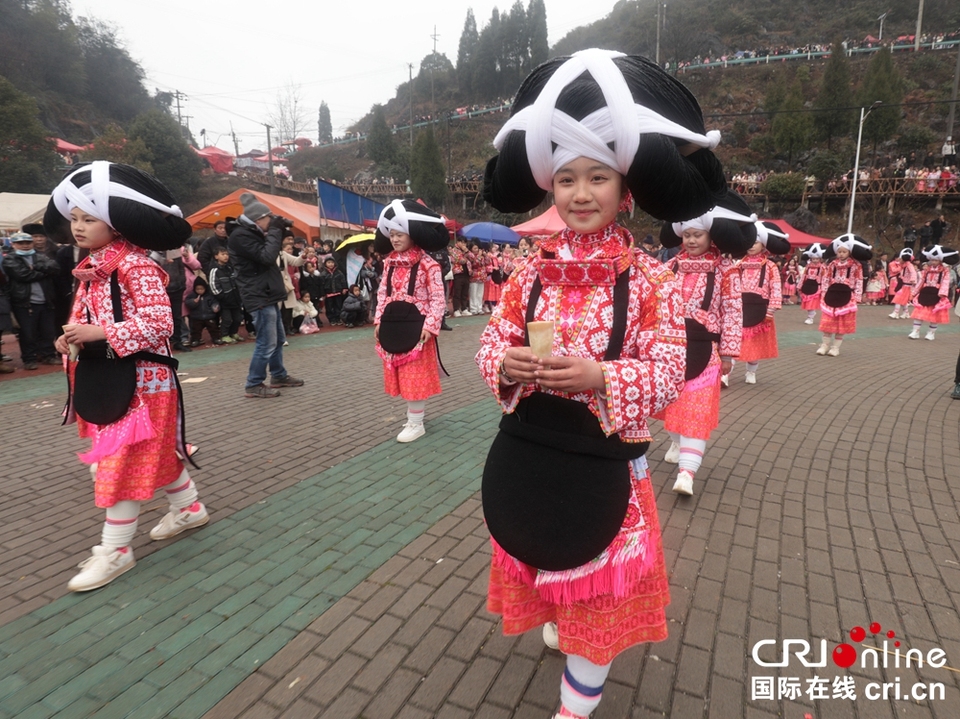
255, 246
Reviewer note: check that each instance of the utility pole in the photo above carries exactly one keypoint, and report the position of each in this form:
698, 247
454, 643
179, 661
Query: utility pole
236, 145
881, 19
177, 95
659, 6
433, 62
916, 38
270, 156
410, 66
953, 97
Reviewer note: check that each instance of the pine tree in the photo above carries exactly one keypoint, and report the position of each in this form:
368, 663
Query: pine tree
27, 158
380, 145
516, 47
427, 178
832, 121
174, 163
537, 29
486, 77
791, 127
882, 82
324, 125
466, 54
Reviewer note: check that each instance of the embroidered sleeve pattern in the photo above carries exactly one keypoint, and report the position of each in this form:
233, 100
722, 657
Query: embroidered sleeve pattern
856, 278
429, 294
731, 312
774, 288
148, 321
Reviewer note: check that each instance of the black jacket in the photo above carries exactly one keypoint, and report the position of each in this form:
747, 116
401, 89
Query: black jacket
202, 307
332, 282
223, 283
21, 275
205, 255
258, 275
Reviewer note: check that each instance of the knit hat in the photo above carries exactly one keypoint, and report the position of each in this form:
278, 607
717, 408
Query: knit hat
731, 224
623, 111
426, 228
253, 209
815, 251
859, 249
944, 254
135, 204
34, 229
773, 238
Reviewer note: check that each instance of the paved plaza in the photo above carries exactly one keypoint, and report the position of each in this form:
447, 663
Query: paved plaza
344, 574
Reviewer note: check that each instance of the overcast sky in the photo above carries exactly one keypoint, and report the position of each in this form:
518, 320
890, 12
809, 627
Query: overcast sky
232, 59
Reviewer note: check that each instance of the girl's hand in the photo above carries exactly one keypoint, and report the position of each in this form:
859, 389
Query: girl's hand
61, 345
376, 333
570, 374
81, 334
726, 366
521, 365
424, 336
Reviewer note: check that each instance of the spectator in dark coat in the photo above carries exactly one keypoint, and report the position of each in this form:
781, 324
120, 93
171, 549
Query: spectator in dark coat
204, 313
334, 286
208, 250
31, 277
354, 312
223, 284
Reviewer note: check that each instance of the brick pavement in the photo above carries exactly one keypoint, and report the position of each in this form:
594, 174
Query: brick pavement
344, 576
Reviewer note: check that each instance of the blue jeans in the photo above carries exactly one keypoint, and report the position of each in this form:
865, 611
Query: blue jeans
268, 350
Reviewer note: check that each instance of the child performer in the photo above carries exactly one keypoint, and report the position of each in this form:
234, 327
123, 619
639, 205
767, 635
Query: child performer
876, 288
410, 306
760, 284
713, 314
902, 286
812, 276
841, 291
119, 213
931, 295
613, 356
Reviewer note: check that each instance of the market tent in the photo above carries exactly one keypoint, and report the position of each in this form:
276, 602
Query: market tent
18, 209
546, 224
306, 218
798, 238
220, 161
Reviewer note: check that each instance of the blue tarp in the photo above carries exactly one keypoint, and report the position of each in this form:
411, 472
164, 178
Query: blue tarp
344, 206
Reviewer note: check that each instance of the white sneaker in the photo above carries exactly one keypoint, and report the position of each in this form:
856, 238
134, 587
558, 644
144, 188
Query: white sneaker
894, 315
176, 521
822, 349
929, 336
684, 483
725, 380
834, 351
750, 378
102, 568
551, 637
411, 432
915, 335
673, 453
466, 313
456, 313
808, 321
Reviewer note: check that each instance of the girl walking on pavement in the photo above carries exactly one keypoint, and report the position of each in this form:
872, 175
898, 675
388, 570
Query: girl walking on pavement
125, 395
585, 344
931, 295
841, 291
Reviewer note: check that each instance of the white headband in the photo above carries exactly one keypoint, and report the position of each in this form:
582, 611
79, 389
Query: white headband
705, 221
621, 122
764, 232
849, 242
936, 253
400, 222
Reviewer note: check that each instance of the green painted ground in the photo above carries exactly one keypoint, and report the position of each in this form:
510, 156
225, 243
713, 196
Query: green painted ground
197, 617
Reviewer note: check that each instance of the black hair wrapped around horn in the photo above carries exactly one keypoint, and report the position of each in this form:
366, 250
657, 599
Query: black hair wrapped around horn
661, 145
773, 238
730, 224
135, 204
859, 249
426, 228
944, 254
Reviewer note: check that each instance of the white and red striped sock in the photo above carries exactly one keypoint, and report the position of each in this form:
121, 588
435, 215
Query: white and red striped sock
182, 492
691, 453
415, 411
120, 526
581, 687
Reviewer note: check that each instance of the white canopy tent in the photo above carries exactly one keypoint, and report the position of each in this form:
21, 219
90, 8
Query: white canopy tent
18, 209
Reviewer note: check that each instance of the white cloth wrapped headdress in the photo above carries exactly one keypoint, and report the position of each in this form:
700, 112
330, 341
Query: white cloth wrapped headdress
93, 198
939, 252
705, 221
620, 122
850, 242
399, 219
764, 232
815, 251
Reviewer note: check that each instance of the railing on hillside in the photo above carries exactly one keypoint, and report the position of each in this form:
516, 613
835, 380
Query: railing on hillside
809, 55
366, 189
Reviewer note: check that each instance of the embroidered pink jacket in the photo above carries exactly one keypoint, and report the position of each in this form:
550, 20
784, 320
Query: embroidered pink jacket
750, 270
428, 286
725, 313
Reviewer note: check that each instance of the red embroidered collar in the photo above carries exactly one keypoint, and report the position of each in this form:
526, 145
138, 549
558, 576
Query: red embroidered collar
100, 263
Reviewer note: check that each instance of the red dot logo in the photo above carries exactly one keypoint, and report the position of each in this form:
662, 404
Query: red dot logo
857, 634
875, 628
844, 655
891, 634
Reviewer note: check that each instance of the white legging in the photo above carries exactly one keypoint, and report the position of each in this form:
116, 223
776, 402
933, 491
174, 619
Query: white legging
691, 451
120, 526
582, 685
